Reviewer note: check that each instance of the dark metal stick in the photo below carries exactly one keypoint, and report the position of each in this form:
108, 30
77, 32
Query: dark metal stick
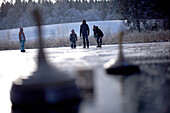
41, 55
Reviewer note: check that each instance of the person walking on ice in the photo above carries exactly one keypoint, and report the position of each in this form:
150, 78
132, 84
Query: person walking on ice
73, 39
84, 31
22, 39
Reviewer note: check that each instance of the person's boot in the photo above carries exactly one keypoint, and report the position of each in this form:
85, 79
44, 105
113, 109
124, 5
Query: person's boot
22, 50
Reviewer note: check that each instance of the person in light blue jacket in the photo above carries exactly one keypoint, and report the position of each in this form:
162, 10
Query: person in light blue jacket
73, 39
22, 39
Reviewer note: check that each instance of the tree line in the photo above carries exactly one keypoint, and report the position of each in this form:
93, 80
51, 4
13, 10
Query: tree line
140, 11
18, 14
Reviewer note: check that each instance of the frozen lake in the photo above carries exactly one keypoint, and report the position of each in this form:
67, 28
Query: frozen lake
145, 92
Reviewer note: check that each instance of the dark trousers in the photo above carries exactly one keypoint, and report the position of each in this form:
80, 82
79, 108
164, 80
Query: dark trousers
85, 40
73, 44
99, 41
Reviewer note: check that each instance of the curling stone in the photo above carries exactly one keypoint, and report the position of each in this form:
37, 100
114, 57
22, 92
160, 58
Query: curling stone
121, 66
46, 88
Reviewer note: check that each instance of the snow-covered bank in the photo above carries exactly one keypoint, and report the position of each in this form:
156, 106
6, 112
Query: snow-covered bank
57, 35
129, 37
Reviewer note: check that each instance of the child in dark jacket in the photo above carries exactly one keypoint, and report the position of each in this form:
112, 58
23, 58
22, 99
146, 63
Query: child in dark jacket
73, 39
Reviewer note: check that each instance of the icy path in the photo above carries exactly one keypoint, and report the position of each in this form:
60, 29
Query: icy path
108, 89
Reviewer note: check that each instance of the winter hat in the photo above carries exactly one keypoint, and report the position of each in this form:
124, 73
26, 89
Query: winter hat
21, 29
72, 31
84, 21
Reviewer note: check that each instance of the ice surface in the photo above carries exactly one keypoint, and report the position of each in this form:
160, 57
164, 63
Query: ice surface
112, 94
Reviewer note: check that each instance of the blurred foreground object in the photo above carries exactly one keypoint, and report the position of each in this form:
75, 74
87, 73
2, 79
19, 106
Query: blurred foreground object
85, 81
121, 66
47, 89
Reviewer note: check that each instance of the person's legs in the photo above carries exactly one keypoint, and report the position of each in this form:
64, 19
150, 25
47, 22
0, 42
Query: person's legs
71, 44
97, 41
22, 45
100, 41
74, 44
87, 41
84, 43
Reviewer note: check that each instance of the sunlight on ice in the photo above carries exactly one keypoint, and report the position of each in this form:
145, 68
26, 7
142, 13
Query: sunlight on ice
15, 64
5, 84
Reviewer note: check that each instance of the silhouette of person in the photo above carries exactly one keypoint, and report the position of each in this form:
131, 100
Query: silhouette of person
22, 39
98, 34
73, 38
84, 31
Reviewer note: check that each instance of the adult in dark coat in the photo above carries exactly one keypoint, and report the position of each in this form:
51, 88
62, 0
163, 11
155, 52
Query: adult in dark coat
84, 31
